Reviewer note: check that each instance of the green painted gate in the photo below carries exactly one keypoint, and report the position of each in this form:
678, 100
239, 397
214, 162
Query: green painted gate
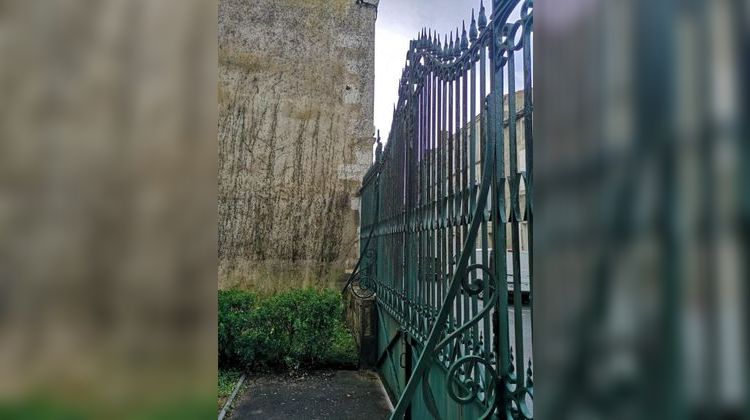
446, 223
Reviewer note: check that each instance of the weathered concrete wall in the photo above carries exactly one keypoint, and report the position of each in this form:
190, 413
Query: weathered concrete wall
296, 82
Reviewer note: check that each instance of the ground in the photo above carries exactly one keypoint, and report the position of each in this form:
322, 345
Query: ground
227, 381
316, 395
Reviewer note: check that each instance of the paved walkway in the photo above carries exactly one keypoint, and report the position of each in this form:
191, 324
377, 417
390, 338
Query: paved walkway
317, 395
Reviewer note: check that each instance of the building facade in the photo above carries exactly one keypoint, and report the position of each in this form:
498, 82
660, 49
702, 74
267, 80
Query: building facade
295, 93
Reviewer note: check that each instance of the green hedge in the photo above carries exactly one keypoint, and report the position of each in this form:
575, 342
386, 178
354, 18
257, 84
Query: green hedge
297, 329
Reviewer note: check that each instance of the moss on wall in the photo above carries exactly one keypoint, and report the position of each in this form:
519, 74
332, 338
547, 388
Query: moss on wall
320, 9
250, 62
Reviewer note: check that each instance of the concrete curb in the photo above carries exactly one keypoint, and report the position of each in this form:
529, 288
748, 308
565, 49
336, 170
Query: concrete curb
385, 393
231, 397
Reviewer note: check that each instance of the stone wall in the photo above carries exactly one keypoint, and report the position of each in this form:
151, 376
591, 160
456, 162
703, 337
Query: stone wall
295, 91
361, 314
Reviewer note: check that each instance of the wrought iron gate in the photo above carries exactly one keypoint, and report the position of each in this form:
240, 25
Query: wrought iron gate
446, 219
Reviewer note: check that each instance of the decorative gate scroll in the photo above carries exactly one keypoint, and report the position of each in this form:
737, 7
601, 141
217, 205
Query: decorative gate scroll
446, 219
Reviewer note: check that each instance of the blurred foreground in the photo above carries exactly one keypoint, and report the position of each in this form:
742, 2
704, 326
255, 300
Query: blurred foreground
107, 209
642, 208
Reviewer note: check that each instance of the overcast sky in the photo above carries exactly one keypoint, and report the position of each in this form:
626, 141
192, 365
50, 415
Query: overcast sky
398, 22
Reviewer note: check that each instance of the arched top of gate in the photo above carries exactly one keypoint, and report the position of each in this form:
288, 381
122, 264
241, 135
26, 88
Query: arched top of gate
461, 46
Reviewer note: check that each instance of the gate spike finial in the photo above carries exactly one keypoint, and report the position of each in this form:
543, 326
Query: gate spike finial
482, 16
473, 28
464, 39
450, 49
444, 53
457, 50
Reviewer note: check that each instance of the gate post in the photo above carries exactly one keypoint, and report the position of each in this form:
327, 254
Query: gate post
361, 317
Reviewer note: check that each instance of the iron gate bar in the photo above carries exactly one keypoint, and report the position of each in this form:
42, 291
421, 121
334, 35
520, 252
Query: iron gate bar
388, 346
424, 214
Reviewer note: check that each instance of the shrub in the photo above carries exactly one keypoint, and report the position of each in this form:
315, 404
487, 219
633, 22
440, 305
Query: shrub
236, 309
297, 329
343, 351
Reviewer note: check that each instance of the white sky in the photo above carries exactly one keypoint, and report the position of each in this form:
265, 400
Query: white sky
398, 22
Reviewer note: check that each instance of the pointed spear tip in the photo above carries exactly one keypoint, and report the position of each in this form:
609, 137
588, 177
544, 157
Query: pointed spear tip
482, 17
473, 29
